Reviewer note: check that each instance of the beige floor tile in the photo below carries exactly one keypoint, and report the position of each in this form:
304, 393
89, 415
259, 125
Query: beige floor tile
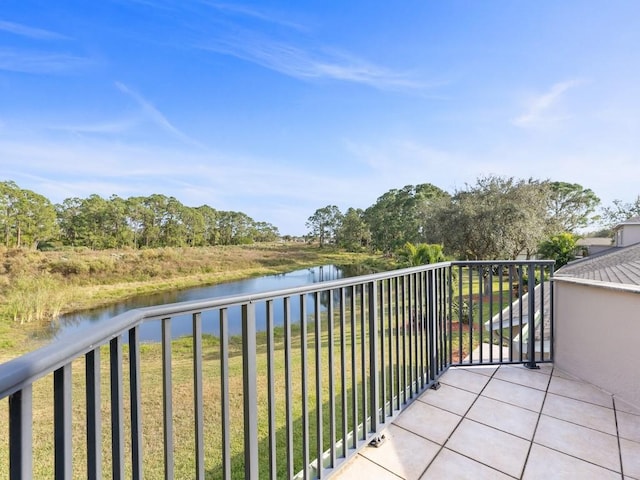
580, 391
487, 370
630, 452
361, 467
629, 426
623, 406
562, 374
428, 421
403, 453
582, 413
489, 446
450, 465
462, 378
449, 398
547, 464
582, 442
545, 368
504, 416
523, 376
519, 395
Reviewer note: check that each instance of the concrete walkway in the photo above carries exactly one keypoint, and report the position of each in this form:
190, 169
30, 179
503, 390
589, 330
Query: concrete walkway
503, 423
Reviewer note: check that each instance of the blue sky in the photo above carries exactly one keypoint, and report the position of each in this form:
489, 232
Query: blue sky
279, 108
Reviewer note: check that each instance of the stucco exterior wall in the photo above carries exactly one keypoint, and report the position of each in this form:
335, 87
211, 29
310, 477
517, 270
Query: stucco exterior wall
628, 235
597, 335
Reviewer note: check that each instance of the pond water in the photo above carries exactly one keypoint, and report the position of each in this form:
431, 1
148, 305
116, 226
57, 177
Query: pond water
150, 331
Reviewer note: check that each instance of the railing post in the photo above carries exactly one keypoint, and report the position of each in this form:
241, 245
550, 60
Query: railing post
431, 327
551, 315
531, 297
249, 379
373, 354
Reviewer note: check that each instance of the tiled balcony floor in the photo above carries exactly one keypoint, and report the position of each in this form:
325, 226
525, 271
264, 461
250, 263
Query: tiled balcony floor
503, 423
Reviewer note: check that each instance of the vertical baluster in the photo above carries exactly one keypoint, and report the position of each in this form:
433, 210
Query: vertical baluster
383, 361
396, 311
531, 309
405, 368
460, 313
21, 434
288, 387
470, 318
449, 321
551, 313
354, 369
117, 409
198, 397
135, 402
250, 391
332, 393
481, 293
167, 397
318, 364
422, 344
501, 310
304, 386
343, 370
520, 310
224, 393
391, 337
62, 421
363, 361
490, 334
271, 403
430, 326
94, 417
410, 339
374, 366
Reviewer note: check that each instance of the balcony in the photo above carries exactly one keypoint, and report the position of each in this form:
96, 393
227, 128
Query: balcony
300, 383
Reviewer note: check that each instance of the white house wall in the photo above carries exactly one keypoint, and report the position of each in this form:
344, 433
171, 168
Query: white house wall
628, 235
597, 335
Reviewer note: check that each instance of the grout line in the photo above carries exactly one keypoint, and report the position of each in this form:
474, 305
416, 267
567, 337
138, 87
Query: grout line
615, 416
535, 429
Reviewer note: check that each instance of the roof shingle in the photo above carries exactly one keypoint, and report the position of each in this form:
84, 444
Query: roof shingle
617, 265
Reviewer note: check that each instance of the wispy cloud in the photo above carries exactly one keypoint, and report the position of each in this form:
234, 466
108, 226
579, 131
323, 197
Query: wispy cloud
258, 14
310, 64
23, 61
540, 108
116, 126
30, 32
156, 116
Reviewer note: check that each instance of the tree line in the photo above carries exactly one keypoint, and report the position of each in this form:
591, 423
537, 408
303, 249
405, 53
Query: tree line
28, 219
496, 217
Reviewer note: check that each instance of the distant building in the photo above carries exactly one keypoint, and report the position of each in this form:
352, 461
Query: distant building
628, 232
593, 245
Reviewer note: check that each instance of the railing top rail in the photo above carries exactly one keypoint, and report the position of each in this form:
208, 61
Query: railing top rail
503, 262
27, 368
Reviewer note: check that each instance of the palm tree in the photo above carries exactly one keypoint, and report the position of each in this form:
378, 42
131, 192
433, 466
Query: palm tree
420, 254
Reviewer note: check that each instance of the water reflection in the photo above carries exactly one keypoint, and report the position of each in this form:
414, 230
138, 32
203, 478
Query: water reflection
150, 331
